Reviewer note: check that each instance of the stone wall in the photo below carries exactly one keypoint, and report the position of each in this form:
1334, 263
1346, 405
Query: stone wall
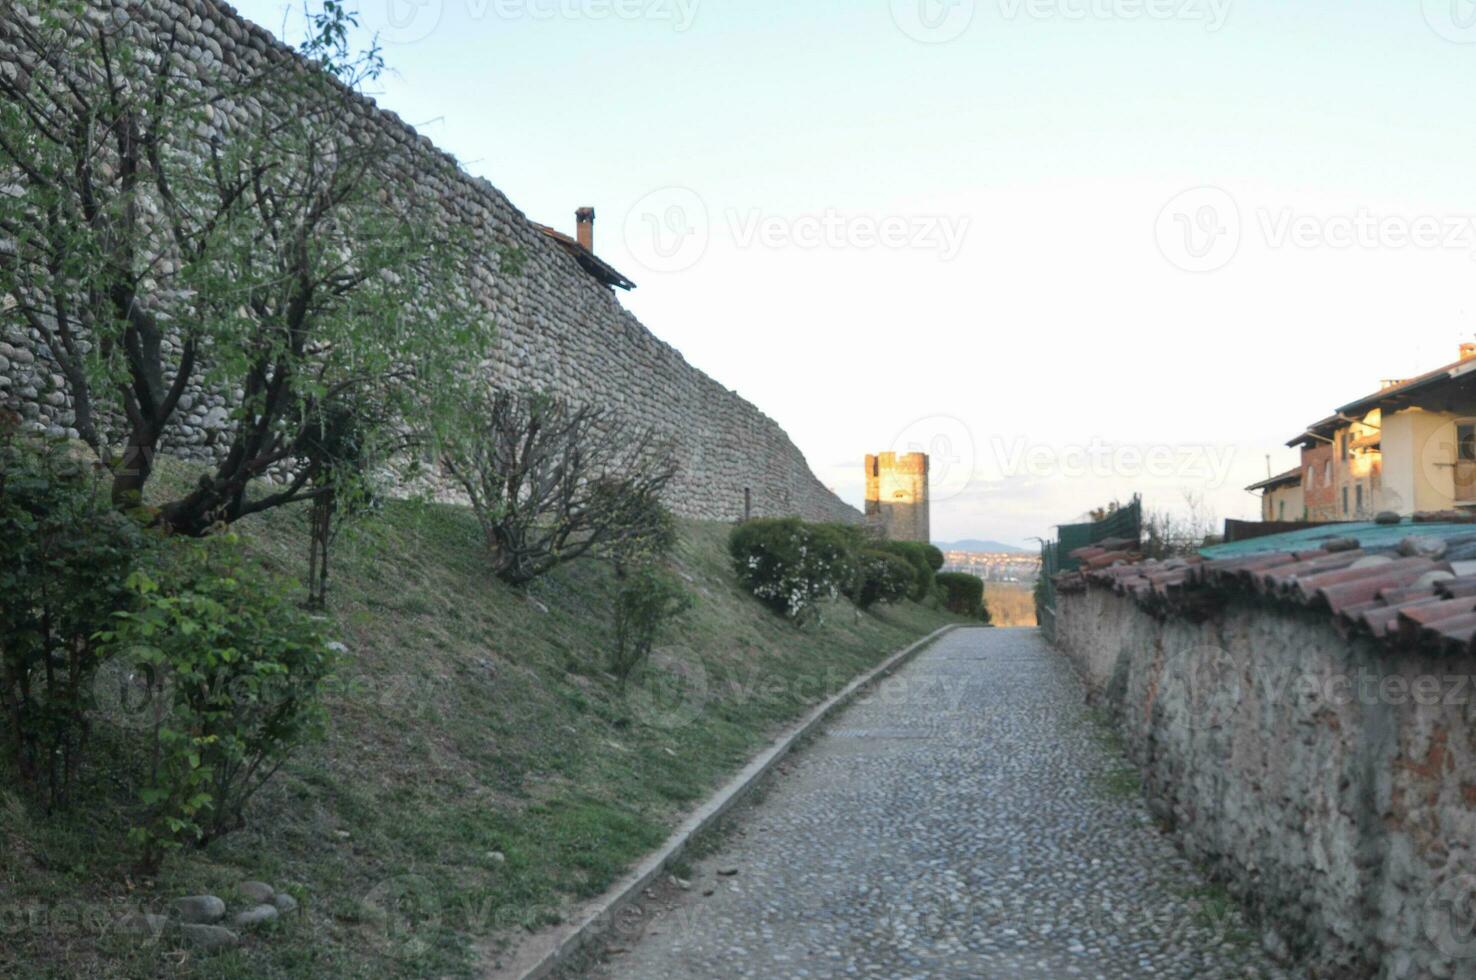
1329, 782
559, 329
897, 503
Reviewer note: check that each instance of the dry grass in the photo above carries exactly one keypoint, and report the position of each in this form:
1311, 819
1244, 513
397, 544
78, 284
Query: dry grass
1010, 604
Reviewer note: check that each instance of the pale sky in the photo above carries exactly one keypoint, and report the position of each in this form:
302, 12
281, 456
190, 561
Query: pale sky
1075, 248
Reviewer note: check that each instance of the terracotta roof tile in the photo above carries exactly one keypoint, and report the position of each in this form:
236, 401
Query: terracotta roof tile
1403, 601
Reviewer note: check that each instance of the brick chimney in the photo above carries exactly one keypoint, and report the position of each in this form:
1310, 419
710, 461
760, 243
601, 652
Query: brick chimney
1468, 350
584, 220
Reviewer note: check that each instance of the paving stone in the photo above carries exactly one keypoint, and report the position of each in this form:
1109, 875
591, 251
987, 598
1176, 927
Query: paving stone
959, 822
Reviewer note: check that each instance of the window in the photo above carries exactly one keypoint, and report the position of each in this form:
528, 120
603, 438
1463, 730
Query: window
1345, 437
1327, 474
1466, 442
1358, 496
1281, 511
1311, 477
1345, 501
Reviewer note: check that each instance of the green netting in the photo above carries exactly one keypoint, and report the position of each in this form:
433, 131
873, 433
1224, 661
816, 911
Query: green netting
1055, 556
1125, 522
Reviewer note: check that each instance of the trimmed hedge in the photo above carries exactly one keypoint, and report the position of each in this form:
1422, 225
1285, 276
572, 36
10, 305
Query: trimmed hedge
881, 577
792, 566
917, 554
964, 595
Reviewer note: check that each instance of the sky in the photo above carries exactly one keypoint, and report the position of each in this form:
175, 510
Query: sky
1075, 249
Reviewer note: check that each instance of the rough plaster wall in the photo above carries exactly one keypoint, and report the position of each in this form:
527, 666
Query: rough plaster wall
559, 329
1343, 809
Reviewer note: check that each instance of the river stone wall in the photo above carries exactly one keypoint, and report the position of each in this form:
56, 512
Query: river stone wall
559, 329
1328, 782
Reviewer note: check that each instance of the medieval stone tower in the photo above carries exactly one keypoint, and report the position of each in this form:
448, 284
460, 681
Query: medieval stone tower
897, 496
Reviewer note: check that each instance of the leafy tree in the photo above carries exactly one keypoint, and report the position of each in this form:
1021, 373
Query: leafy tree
241, 239
550, 481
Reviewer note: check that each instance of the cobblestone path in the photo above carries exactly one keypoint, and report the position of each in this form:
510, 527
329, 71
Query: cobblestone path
968, 820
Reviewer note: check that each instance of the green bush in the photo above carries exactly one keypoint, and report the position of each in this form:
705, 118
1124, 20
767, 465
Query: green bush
964, 595
649, 531
792, 566
234, 672
916, 553
881, 577
934, 556
648, 600
64, 556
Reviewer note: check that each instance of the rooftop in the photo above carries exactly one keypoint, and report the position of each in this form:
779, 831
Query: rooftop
590, 262
1292, 477
1410, 586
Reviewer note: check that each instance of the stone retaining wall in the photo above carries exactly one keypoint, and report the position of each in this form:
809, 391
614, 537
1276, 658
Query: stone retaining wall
559, 329
1329, 782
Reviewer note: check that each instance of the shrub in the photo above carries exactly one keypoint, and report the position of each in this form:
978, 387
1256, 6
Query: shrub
64, 556
648, 600
964, 595
648, 529
233, 673
550, 481
792, 566
882, 577
916, 554
934, 556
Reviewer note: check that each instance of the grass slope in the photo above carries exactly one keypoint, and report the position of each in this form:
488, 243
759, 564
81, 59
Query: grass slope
482, 772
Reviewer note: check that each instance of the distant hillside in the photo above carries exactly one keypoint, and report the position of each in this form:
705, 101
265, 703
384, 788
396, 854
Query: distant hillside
986, 547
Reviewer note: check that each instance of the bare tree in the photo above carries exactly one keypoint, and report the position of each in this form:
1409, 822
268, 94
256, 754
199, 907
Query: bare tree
1179, 532
551, 482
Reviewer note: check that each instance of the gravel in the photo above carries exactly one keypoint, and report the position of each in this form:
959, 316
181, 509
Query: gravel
959, 822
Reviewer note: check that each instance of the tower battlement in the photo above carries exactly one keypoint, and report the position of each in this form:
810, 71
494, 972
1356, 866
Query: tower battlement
897, 495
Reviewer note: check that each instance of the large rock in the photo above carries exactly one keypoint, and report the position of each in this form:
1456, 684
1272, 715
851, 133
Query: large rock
258, 892
255, 918
1423, 546
209, 939
200, 909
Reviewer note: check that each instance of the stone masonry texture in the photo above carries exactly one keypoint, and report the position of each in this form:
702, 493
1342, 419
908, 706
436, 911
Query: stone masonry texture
897, 496
558, 329
1330, 782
